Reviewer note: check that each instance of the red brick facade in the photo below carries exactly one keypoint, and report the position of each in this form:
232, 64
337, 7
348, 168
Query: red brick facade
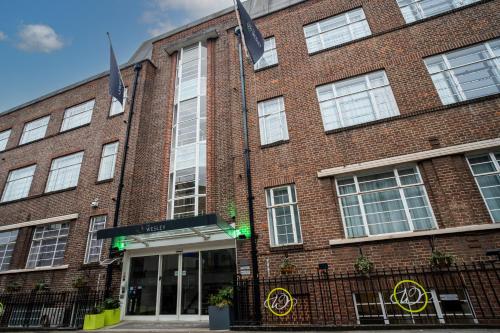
423, 124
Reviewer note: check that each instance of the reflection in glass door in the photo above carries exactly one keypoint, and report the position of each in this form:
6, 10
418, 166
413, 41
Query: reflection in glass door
142, 287
169, 279
190, 283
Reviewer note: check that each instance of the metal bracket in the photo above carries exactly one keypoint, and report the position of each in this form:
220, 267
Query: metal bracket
199, 233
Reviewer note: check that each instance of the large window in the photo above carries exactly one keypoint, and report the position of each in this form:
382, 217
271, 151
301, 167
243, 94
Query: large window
78, 115
357, 100
64, 172
94, 245
48, 245
336, 30
7, 244
272, 121
4, 138
270, 56
34, 130
18, 183
486, 170
188, 159
108, 161
116, 107
414, 10
283, 216
385, 202
466, 73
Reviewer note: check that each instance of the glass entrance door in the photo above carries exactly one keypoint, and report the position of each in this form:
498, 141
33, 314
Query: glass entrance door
190, 284
169, 280
142, 286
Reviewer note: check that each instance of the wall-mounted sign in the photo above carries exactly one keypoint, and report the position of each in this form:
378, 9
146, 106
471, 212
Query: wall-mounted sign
245, 270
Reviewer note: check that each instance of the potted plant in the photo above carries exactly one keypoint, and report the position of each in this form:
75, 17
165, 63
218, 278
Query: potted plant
219, 312
94, 319
363, 265
286, 266
441, 259
13, 287
111, 311
41, 286
79, 283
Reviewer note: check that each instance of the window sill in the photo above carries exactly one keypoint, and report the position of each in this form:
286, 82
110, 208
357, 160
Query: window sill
90, 265
104, 181
37, 196
116, 115
264, 68
29, 270
287, 248
74, 128
415, 234
274, 144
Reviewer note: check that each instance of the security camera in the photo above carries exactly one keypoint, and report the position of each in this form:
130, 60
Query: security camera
95, 203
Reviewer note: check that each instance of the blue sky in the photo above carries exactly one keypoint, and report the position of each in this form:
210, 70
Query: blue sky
48, 44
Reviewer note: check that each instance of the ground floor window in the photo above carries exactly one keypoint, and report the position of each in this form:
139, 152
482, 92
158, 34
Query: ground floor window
48, 245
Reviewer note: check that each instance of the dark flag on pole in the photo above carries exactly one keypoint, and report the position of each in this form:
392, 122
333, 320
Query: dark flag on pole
253, 38
116, 86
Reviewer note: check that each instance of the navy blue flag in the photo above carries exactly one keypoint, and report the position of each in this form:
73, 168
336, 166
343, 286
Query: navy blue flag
116, 86
253, 38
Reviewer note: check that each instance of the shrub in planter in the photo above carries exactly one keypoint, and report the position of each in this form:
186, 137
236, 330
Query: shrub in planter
219, 311
13, 287
79, 283
363, 265
111, 311
94, 320
287, 267
41, 286
441, 259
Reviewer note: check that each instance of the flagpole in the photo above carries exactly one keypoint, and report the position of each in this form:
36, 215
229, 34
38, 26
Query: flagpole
246, 152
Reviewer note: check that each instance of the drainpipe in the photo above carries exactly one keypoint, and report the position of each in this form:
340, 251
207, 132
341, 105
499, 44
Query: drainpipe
109, 268
246, 153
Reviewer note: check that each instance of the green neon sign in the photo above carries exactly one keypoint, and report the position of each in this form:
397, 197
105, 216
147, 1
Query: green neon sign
119, 243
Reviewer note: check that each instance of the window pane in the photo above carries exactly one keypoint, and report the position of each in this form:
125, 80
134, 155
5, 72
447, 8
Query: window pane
108, 161
116, 107
94, 245
4, 138
77, 115
270, 56
7, 243
34, 130
18, 183
419, 9
48, 245
272, 121
64, 172
283, 216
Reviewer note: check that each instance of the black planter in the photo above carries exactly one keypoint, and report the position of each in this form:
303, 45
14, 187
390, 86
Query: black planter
219, 318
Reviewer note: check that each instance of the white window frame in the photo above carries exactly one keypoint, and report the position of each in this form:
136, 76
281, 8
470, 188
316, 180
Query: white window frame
369, 90
497, 172
55, 170
399, 187
269, 50
11, 237
92, 236
264, 130
10, 181
422, 15
44, 121
115, 105
4, 139
322, 33
450, 70
59, 240
86, 107
100, 176
271, 206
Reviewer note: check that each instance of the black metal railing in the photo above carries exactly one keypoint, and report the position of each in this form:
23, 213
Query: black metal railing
47, 309
458, 294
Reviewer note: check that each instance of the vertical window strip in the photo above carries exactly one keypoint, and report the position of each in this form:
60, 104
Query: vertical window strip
187, 181
94, 245
283, 216
64, 172
356, 100
272, 121
48, 245
486, 171
336, 30
4, 138
116, 107
415, 10
7, 244
18, 183
384, 203
270, 56
78, 115
467, 73
108, 161
34, 130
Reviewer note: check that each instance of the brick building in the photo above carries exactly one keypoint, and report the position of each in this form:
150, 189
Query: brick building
374, 130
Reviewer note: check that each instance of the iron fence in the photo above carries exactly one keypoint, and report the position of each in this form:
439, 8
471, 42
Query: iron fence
65, 309
458, 294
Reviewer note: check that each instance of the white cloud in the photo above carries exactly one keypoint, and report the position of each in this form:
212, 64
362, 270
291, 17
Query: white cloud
165, 15
3, 36
39, 38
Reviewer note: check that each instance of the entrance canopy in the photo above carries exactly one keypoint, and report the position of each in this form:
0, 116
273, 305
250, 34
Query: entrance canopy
204, 226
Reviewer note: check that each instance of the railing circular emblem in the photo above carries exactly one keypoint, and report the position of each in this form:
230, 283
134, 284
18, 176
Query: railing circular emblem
280, 302
410, 293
